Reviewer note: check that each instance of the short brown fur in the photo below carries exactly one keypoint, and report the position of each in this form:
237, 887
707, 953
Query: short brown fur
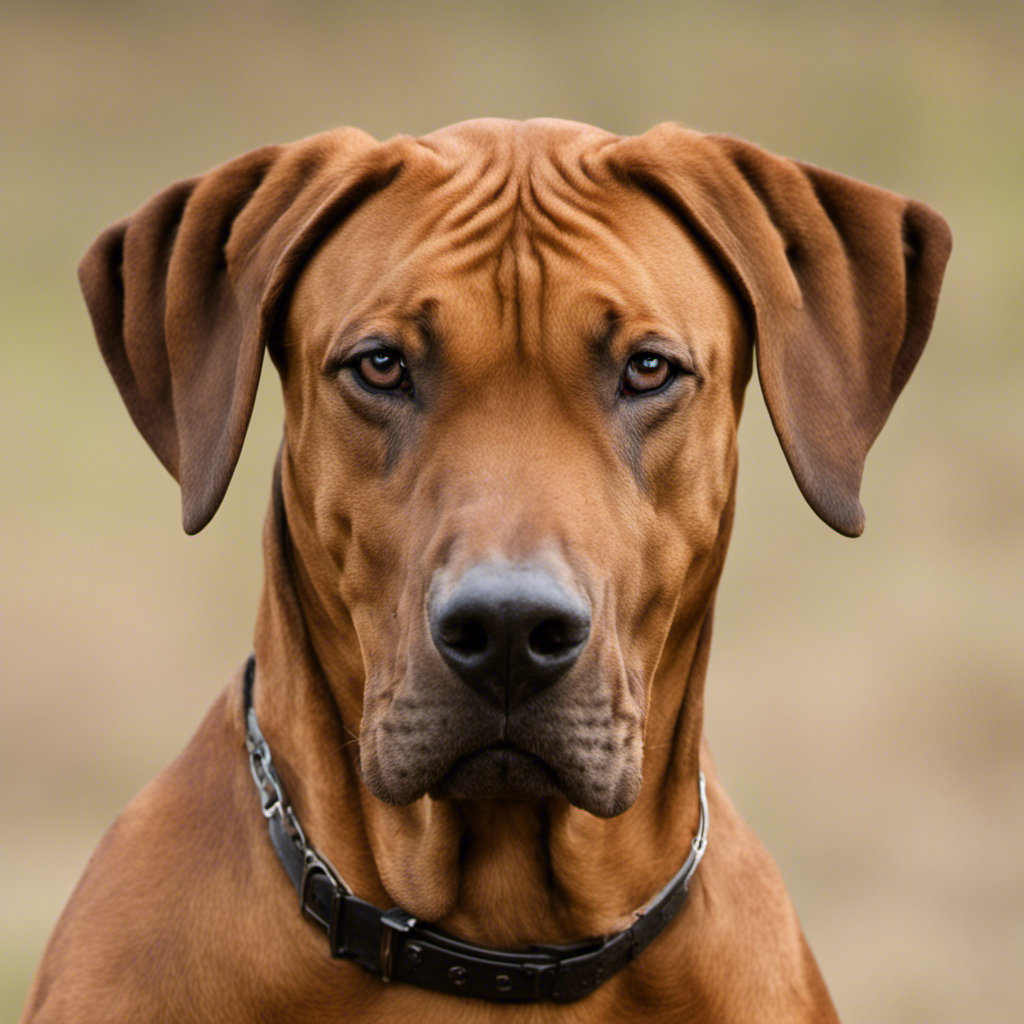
518, 267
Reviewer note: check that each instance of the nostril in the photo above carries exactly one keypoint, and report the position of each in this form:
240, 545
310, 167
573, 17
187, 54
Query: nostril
555, 636
467, 637
508, 631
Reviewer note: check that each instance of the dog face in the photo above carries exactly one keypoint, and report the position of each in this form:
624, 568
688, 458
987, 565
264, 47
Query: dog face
513, 358
516, 432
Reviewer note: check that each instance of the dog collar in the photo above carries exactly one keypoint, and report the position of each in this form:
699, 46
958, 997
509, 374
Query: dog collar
396, 946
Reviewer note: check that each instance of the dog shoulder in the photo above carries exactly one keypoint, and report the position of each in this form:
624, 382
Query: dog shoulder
142, 926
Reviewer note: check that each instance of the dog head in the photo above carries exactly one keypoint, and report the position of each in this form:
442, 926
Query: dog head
513, 359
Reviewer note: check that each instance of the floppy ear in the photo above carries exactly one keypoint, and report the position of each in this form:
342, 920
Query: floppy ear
840, 281
185, 294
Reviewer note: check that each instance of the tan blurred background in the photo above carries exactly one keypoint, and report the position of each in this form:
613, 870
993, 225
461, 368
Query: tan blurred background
866, 698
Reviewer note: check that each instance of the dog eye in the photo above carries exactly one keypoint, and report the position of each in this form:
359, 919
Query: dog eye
383, 369
646, 372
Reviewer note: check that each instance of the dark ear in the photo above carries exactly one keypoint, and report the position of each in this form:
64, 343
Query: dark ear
840, 280
185, 294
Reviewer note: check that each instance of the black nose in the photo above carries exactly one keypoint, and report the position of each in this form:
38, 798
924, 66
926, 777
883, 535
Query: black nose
509, 631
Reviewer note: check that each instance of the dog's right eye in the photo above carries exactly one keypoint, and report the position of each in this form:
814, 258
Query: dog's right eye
383, 369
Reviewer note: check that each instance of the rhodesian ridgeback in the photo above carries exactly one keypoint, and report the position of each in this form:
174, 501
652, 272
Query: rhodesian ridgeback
513, 358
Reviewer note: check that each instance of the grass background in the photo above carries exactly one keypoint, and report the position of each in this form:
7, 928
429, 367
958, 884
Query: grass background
865, 698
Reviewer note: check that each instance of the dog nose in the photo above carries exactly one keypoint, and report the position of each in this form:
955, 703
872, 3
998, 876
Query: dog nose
509, 631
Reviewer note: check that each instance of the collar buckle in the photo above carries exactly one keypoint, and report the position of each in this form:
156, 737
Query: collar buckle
395, 925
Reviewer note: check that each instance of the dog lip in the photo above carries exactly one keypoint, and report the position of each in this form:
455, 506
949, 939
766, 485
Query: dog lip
500, 747
505, 752
498, 770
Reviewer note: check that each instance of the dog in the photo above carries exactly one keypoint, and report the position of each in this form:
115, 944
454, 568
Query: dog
513, 358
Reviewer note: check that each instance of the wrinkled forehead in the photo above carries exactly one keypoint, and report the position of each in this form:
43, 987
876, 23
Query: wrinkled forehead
525, 232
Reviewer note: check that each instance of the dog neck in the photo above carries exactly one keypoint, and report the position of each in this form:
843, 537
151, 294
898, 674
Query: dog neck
503, 873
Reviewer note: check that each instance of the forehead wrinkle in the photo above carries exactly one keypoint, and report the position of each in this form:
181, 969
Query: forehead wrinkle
516, 239
459, 201
563, 188
423, 320
549, 204
571, 224
602, 338
481, 193
538, 300
486, 192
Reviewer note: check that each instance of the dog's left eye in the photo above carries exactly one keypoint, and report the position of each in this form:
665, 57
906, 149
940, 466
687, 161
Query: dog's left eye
645, 373
383, 369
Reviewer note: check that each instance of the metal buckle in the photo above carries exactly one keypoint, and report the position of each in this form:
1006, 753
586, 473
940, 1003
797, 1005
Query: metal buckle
312, 865
393, 923
700, 840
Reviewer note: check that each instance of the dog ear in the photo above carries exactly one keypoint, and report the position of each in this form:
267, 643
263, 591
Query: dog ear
840, 281
185, 294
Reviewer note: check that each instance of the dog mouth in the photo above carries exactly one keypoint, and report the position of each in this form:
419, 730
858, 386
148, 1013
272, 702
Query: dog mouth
497, 771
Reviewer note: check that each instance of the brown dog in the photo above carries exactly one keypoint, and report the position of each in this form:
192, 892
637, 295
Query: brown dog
513, 358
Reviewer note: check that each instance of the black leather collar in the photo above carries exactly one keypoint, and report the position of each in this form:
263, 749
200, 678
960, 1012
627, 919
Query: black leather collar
399, 948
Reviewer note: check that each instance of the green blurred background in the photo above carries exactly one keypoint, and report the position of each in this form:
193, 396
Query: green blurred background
865, 698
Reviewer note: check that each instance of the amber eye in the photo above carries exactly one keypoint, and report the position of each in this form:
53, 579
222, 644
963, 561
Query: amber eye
645, 372
383, 369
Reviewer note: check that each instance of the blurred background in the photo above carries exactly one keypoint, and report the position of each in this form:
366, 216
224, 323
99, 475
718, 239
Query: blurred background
865, 698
